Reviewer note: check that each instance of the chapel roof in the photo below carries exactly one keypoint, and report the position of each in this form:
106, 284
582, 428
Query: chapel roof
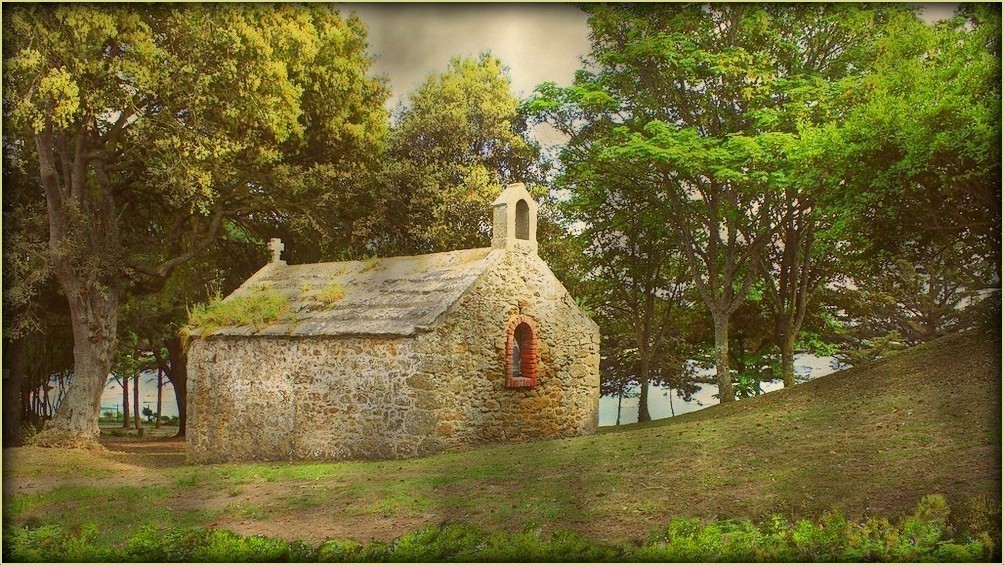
391, 296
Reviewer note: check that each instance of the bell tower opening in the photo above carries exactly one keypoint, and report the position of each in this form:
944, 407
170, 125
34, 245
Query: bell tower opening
522, 220
514, 220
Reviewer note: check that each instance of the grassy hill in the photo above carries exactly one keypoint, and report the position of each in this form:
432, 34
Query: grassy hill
868, 441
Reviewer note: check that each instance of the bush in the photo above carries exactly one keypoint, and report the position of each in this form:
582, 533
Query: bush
53, 543
921, 536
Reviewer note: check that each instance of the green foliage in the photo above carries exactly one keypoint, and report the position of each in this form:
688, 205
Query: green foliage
259, 309
778, 140
456, 143
901, 302
691, 120
921, 536
178, 131
337, 551
53, 543
213, 546
920, 195
747, 386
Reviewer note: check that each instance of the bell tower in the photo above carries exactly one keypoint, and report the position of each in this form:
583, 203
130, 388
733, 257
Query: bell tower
514, 220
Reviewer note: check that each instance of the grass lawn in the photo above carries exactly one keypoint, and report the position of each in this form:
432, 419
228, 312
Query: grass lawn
868, 441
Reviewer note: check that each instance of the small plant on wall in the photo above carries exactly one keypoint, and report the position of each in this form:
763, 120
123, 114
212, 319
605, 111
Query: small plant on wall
332, 293
258, 309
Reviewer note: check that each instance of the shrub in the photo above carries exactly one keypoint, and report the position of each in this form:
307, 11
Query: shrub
222, 546
146, 545
335, 551
921, 536
53, 543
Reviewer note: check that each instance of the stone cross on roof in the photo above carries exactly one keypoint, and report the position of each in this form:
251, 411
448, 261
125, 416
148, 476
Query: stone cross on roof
276, 246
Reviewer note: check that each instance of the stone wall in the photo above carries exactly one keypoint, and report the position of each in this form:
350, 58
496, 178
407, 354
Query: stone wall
270, 398
463, 361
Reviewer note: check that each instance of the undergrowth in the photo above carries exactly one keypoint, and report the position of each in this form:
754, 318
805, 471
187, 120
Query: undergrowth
925, 535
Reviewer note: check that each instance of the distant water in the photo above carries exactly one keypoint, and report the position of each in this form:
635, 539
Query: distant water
806, 366
663, 402
111, 398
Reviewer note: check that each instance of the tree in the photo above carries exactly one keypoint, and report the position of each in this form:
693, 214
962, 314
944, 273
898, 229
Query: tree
123, 381
460, 139
922, 189
801, 256
32, 306
702, 109
37, 343
149, 126
912, 299
925, 140
637, 280
819, 52
160, 396
130, 362
662, 122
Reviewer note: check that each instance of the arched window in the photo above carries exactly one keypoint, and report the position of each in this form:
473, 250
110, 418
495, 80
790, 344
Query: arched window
521, 353
522, 220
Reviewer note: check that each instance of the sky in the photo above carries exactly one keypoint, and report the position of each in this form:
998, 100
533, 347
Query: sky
538, 42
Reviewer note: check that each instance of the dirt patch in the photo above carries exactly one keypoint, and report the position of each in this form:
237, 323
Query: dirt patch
154, 453
159, 446
316, 527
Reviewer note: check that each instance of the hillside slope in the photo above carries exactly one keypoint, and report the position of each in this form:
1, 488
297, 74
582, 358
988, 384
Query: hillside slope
871, 440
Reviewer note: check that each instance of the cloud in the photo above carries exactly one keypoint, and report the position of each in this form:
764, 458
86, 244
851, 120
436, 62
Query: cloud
537, 42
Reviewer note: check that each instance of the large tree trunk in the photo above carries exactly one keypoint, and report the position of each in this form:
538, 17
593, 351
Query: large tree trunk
788, 359
643, 415
94, 318
13, 407
725, 390
83, 240
179, 379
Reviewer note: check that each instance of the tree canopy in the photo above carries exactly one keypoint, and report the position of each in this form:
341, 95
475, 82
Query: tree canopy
744, 130
151, 128
456, 143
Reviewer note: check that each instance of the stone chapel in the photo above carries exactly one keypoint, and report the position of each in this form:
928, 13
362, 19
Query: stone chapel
400, 356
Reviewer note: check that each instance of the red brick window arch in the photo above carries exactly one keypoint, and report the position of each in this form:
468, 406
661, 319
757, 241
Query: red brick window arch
521, 358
